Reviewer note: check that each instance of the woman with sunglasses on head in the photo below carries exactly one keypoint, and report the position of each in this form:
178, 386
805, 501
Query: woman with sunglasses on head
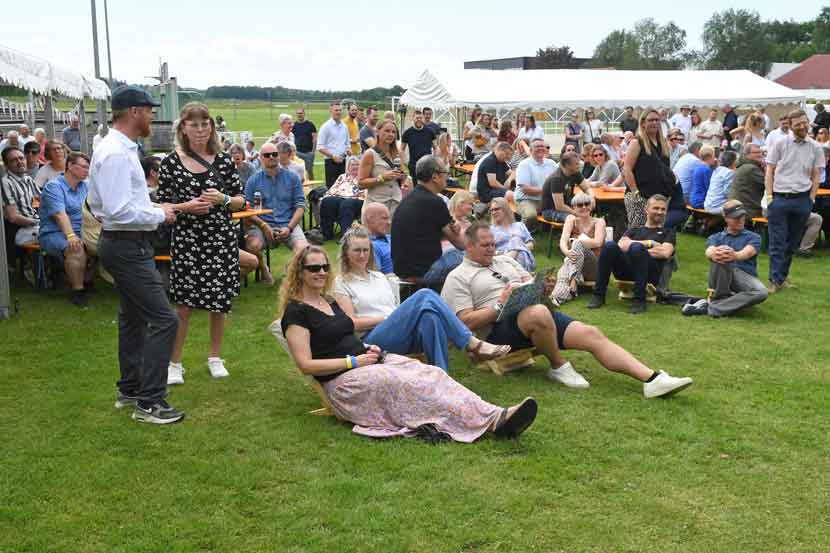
512, 237
582, 238
204, 272
383, 395
421, 323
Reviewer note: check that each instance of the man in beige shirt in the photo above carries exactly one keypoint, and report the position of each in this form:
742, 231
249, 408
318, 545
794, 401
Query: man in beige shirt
711, 131
477, 291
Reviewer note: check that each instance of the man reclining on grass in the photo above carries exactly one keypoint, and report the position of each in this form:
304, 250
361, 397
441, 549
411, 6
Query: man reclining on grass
477, 290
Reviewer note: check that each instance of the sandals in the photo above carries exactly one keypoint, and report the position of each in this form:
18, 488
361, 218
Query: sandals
478, 357
519, 421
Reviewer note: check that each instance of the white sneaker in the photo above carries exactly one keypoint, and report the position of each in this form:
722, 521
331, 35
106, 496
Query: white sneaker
217, 367
665, 384
567, 376
175, 374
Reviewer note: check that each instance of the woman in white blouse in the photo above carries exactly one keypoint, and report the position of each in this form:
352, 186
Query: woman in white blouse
423, 322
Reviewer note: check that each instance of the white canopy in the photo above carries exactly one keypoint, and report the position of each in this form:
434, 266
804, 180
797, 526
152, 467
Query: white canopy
817, 93
601, 88
40, 76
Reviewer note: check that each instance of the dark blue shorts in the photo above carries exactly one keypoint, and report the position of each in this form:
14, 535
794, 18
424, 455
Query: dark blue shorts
506, 332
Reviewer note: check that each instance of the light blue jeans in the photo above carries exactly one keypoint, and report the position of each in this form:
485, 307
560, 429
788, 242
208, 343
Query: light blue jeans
437, 273
424, 323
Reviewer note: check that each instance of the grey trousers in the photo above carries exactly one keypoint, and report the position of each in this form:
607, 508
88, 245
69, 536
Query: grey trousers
733, 288
146, 323
308, 158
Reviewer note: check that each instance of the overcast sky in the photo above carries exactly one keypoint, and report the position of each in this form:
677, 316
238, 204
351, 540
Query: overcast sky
319, 44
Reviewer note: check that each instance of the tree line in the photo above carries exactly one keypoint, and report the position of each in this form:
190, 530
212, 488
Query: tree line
731, 39
378, 94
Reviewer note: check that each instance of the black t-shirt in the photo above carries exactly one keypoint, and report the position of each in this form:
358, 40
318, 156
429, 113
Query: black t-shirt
419, 142
331, 336
417, 230
559, 183
302, 135
366, 132
491, 164
434, 127
660, 235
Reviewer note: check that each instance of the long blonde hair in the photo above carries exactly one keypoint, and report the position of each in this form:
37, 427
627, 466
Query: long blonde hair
292, 283
393, 147
191, 111
355, 232
644, 139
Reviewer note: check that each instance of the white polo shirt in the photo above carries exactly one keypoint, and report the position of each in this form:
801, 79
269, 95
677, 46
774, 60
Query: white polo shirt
794, 163
533, 174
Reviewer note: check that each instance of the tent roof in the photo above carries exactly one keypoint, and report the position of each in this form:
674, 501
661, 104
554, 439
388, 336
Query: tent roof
580, 88
40, 76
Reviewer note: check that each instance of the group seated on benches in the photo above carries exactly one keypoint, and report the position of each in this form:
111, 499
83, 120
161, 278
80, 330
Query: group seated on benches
477, 291
382, 394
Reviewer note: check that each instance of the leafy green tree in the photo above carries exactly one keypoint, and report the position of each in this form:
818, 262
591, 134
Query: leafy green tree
736, 39
620, 49
554, 57
649, 46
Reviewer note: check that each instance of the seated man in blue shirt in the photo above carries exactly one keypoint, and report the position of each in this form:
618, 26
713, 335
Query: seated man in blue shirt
701, 177
733, 271
685, 167
60, 223
378, 222
281, 191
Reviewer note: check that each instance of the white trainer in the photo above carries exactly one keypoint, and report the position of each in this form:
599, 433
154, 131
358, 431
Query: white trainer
217, 367
175, 374
665, 384
567, 376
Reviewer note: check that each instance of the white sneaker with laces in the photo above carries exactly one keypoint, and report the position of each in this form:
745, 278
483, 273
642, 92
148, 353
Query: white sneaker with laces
567, 376
217, 367
175, 374
664, 385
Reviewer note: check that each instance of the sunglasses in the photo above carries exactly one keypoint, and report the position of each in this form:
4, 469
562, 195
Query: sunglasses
270, 155
598, 155
501, 277
583, 204
317, 268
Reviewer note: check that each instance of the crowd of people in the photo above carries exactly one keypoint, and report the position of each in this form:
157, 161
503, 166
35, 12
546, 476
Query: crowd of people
455, 262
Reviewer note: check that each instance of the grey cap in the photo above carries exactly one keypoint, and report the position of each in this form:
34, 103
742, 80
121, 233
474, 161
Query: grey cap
128, 96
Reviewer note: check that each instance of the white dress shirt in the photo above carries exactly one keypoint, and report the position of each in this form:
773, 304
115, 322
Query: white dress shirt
118, 193
335, 138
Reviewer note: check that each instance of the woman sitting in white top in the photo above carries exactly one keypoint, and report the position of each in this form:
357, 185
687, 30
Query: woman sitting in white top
530, 131
422, 323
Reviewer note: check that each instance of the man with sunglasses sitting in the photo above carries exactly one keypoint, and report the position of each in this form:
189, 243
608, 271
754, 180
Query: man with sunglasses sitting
281, 191
477, 291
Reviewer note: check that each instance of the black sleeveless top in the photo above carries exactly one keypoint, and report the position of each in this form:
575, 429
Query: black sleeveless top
653, 172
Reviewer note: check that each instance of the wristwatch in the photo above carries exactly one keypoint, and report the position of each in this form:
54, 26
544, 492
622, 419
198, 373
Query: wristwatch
498, 307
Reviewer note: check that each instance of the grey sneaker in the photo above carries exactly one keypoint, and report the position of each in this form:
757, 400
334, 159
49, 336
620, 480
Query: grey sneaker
125, 400
700, 307
158, 413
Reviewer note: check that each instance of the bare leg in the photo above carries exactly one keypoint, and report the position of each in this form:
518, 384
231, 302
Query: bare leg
217, 333
183, 313
537, 324
254, 245
588, 338
247, 262
74, 263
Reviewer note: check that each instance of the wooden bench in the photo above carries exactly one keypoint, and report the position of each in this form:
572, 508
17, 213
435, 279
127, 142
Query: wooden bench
709, 220
626, 288
553, 225
513, 361
761, 223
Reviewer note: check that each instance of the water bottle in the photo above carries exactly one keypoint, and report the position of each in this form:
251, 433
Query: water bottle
257, 200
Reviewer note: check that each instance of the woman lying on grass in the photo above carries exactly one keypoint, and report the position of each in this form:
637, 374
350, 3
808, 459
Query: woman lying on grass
382, 394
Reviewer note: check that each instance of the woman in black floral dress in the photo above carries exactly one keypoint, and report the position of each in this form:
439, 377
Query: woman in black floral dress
204, 249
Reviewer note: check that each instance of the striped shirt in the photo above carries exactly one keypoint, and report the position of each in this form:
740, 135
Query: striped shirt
21, 193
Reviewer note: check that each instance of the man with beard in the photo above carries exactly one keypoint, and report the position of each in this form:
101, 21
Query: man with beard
118, 197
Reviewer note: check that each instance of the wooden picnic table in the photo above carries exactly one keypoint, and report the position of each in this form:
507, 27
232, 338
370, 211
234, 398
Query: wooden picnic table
451, 190
823, 192
313, 183
464, 168
605, 194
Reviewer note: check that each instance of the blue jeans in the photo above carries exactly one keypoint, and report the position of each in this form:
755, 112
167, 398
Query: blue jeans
341, 210
636, 265
787, 217
437, 273
423, 322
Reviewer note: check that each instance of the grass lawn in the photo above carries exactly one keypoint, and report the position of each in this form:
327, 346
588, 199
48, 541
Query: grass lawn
738, 462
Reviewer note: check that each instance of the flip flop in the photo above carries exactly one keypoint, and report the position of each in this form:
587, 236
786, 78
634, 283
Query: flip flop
519, 421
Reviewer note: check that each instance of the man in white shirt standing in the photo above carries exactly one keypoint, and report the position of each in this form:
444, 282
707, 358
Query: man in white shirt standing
782, 131
334, 142
118, 197
530, 178
682, 121
710, 132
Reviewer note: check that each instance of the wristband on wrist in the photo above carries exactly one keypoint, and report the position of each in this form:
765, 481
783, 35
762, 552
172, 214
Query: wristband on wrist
226, 201
354, 361
349, 362
71, 235
380, 178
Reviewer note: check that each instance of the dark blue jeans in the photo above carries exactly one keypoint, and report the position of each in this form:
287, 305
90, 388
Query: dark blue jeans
635, 264
341, 210
146, 323
786, 217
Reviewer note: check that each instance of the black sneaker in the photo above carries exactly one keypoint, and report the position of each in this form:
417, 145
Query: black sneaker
159, 412
637, 307
596, 302
125, 400
78, 298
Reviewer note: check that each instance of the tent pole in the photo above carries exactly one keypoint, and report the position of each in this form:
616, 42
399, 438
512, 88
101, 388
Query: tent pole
84, 130
49, 116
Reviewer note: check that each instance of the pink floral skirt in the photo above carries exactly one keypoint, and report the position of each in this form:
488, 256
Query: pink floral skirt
398, 396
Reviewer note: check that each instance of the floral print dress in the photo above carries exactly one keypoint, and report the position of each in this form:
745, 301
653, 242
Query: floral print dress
204, 272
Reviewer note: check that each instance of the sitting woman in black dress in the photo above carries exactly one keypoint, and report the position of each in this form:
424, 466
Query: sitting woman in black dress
382, 394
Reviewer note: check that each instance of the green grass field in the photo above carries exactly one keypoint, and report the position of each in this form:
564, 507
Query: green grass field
738, 462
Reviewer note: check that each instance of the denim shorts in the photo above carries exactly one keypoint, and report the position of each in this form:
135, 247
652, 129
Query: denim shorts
507, 332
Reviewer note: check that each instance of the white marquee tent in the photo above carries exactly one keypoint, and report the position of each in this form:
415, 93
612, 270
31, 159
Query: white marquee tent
580, 88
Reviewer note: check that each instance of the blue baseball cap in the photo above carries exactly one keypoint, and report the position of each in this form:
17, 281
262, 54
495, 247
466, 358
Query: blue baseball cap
128, 96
